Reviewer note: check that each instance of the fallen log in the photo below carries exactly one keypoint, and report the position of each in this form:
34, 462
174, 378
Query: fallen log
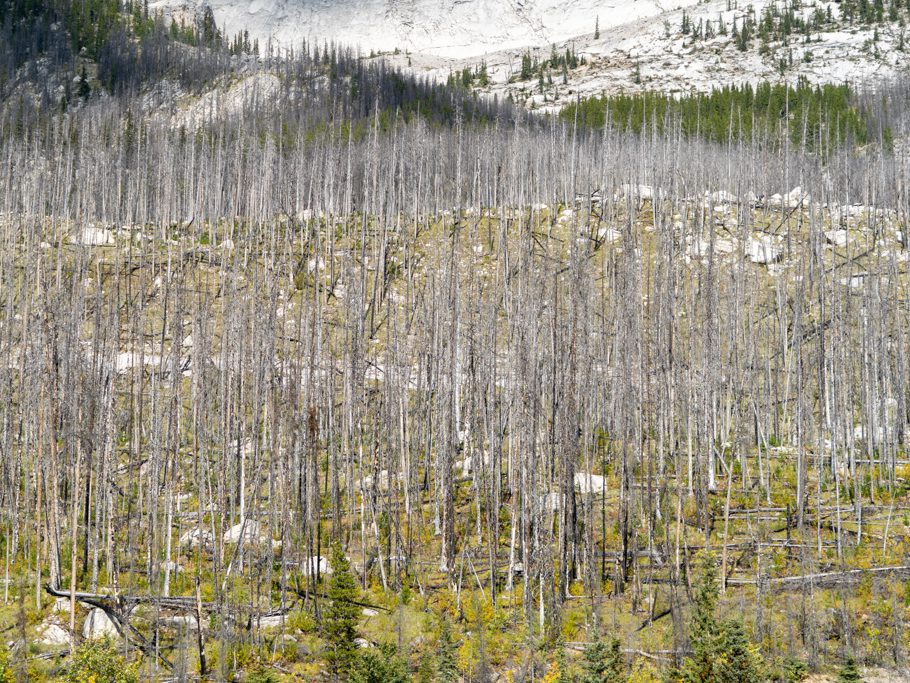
848, 577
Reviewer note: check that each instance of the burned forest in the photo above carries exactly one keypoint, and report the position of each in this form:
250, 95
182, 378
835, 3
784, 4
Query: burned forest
313, 370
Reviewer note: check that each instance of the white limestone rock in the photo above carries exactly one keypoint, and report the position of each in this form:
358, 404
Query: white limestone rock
94, 237
53, 635
762, 250
310, 566
588, 483
98, 625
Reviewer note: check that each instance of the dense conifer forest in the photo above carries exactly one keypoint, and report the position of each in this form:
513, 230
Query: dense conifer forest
817, 117
315, 370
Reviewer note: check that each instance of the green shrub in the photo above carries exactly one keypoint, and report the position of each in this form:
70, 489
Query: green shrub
97, 661
6, 667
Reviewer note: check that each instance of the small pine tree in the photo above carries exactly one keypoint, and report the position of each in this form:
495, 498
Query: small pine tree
739, 661
701, 667
848, 672
483, 76
83, 89
380, 665
339, 618
795, 670
721, 653
426, 672
525, 66
597, 28
602, 662
447, 655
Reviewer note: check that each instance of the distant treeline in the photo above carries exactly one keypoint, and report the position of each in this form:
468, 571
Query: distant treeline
820, 117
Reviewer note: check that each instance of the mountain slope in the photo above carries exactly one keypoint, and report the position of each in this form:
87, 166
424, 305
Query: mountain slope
449, 28
701, 47
624, 45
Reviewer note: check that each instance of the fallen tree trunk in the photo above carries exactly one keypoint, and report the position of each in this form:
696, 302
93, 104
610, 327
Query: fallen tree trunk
849, 577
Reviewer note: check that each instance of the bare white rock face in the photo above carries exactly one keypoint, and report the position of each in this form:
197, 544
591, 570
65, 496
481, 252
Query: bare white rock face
98, 625
53, 635
762, 250
837, 238
311, 565
194, 537
179, 622
94, 237
250, 531
473, 463
588, 483
552, 501
271, 621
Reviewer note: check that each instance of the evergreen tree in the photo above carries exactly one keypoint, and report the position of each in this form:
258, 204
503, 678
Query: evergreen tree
380, 665
209, 34
602, 662
795, 670
721, 652
446, 655
339, 617
702, 666
597, 28
848, 672
83, 89
739, 662
526, 66
483, 76
426, 673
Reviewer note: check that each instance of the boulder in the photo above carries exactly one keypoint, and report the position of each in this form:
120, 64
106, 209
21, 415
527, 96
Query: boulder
270, 621
641, 192
311, 565
762, 250
383, 481
472, 463
588, 483
251, 531
95, 237
796, 196
178, 622
98, 625
53, 635
837, 238
722, 196
194, 537
608, 235
552, 502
